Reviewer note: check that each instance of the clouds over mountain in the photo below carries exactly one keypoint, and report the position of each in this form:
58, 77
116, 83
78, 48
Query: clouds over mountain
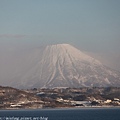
12, 36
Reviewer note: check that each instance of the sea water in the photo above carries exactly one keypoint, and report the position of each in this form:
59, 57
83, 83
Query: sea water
62, 114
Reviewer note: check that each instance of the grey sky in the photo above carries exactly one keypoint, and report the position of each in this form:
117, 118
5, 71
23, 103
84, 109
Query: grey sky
90, 25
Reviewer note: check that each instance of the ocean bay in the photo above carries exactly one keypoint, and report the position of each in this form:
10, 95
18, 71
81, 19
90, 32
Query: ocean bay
62, 114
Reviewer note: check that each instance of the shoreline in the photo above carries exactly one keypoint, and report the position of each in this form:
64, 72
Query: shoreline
61, 108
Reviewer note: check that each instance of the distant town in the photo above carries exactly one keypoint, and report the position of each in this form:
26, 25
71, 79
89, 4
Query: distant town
11, 98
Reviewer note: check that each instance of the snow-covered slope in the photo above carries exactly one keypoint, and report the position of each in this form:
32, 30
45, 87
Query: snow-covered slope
63, 65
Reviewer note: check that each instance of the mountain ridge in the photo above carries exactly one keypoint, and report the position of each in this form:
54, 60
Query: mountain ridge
63, 65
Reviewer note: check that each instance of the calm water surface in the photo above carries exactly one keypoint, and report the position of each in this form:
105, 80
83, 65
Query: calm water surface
62, 114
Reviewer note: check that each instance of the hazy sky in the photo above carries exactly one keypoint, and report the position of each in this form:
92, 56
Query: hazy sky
91, 25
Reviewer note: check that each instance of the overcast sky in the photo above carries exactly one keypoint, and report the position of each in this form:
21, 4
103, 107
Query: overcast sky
90, 25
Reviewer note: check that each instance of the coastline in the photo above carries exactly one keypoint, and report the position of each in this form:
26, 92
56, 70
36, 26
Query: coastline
61, 108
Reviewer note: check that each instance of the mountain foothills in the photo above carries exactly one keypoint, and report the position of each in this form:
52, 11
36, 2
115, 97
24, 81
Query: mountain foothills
62, 65
14, 98
11, 98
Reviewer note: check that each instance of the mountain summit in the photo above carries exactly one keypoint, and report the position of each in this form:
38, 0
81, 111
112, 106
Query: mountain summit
63, 65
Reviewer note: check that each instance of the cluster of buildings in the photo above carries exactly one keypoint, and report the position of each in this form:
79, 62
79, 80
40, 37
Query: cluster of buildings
59, 97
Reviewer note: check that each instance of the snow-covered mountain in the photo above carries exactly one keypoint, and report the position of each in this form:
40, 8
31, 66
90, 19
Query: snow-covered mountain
62, 65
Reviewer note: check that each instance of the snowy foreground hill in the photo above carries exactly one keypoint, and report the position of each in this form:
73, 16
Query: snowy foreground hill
62, 65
